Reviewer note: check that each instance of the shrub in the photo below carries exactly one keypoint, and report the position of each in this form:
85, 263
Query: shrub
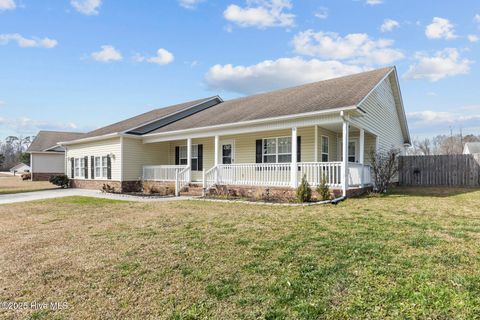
323, 190
385, 168
108, 188
304, 192
61, 181
26, 176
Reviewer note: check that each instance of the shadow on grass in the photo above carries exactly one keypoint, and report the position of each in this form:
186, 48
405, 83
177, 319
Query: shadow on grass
427, 191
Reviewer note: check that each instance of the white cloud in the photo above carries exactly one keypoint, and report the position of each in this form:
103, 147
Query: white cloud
28, 126
445, 63
321, 13
261, 14
163, 57
88, 7
431, 121
356, 47
27, 43
189, 4
7, 5
477, 18
472, 38
440, 28
389, 25
374, 2
107, 54
275, 74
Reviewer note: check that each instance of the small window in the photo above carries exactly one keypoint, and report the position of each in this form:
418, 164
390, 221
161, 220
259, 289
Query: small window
351, 151
325, 148
98, 167
79, 167
183, 155
195, 157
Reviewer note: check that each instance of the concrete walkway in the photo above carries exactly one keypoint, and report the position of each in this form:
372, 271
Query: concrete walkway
60, 193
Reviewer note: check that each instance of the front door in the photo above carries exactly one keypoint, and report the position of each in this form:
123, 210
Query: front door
227, 152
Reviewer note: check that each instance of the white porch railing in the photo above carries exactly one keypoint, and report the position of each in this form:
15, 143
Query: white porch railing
161, 173
209, 178
182, 180
316, 171
255, 174
355, 171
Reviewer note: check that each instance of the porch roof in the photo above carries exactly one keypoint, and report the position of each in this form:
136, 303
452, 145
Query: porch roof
325, 95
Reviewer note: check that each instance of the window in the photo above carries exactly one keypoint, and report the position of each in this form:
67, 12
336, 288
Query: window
79, 167
325, 149
277, 150
183, 156
351, 151
101, 167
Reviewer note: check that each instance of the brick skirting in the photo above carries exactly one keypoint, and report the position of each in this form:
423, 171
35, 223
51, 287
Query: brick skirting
125, 186
44, 176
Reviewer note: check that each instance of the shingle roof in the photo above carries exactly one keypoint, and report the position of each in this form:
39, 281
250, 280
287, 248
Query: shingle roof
143, 118
324, 95
48, 139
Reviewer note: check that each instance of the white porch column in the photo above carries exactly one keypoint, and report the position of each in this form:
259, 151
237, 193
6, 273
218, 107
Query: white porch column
345, 133
315, 157
189, 158
362, 156
293, 168
216, 156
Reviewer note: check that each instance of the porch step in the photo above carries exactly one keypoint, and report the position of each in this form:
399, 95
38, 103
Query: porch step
192, 190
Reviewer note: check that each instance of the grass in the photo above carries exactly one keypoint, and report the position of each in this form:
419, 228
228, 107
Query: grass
14, 184
411, 254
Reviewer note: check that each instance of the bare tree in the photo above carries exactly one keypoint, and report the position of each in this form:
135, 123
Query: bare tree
385, 168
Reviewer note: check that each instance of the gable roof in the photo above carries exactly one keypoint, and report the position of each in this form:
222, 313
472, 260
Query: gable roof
137, 123
324, 95
19, 165
46, 140
473, 147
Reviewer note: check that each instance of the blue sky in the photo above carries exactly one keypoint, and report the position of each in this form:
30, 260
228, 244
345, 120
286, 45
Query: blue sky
79, 64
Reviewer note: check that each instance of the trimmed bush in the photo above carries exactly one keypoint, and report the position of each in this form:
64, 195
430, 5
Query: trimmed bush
323, 190
61, 181
304, 192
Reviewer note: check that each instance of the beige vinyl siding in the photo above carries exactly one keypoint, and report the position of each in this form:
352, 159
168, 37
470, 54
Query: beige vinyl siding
332, 142
136, 154
381, 116
98, 149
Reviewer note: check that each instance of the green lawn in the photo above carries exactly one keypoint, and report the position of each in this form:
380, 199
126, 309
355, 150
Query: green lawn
412, 254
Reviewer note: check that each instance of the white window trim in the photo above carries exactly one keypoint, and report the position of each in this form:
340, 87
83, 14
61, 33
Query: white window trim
101, 176
328, 148
276, 154
81, 170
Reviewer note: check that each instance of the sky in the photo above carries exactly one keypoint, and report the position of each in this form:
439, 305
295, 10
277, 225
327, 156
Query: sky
76, 65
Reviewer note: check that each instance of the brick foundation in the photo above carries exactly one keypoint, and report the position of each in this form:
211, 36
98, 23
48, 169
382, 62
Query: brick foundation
43, 176
281, 194
159, 187
94, 184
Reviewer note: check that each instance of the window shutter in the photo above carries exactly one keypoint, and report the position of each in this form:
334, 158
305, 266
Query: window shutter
258, 151
299, 149
92, 167
109, 168
72, 168
86, 167
177, 155
200, 157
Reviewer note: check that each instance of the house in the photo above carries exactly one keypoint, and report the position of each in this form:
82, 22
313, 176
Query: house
471, 148
47, 158
323, 129
20, 168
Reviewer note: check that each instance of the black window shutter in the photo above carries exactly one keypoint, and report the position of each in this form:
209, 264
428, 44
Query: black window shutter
200, 157
299, 149
72, 167
177, 155
258, 151
92, 167
86, 167
109, 168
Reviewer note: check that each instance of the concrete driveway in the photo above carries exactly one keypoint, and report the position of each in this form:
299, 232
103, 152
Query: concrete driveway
60, 193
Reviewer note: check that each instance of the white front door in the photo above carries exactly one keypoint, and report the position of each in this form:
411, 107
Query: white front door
227, 152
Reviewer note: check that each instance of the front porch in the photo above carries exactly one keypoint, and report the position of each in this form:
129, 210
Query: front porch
275, 158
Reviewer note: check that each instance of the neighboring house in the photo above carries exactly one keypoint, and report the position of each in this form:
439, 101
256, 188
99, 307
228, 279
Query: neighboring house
471, 148
20, 168
47, 158
272, 139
